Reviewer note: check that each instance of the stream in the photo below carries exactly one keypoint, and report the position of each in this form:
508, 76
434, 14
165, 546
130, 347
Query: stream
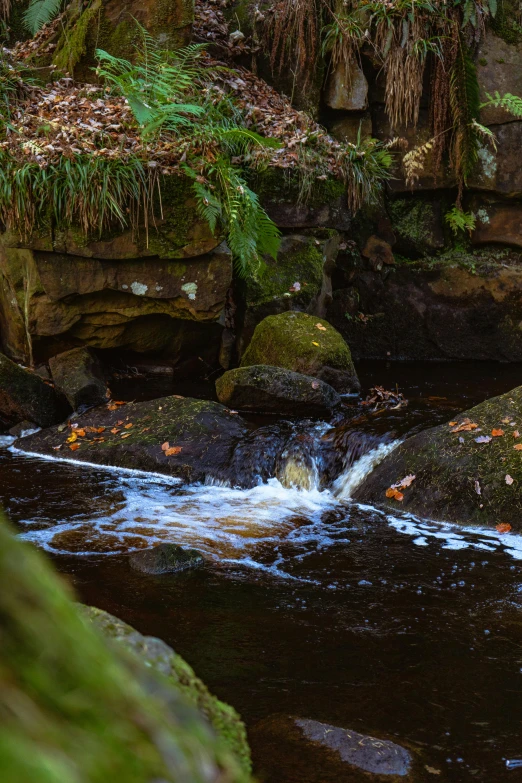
310, 604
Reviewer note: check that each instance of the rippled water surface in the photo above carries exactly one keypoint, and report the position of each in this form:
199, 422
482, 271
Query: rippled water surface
309, 604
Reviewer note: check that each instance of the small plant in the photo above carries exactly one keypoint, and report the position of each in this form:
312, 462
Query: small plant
458, 220
40, 12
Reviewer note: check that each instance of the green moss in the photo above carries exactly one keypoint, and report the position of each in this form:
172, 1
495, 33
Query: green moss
280, 186
302, 263
505, 25
483, 61
72, 45
476, 260
413, 221
72, 710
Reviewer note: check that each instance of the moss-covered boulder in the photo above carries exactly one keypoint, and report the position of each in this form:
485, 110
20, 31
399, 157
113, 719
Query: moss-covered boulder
298, 279
165, 559
177, 436
75, 710
78, 375
170, 666
305, 344
276, 390
25, 396
467, 471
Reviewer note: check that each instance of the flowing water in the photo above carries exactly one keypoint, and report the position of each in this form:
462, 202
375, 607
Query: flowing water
310, 604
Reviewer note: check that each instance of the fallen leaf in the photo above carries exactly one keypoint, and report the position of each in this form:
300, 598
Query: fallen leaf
483, 439
403, 483
112, 407
145, 429
503, 527
119, 423
118, 402
321, 327
129, 425
518, 447
466, 425
431, 770
313, 343
497, 433
74, 446
100, 429
57, 448
477, 488
509, 479
453, 423
72, 437
173, 450
392, 492
165, 446
315, 384
99, 440
505, 421
516, 434
115, 430
125, 435
80, 433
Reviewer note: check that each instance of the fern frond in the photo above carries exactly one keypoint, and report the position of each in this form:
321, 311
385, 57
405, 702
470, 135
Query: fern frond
511, 103
40, 12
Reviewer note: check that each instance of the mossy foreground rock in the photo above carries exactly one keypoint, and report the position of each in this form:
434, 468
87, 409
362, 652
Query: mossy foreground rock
178, 436
73, 710
25, 396
305, 344
167, 664
292, 748
276, 390
458, 479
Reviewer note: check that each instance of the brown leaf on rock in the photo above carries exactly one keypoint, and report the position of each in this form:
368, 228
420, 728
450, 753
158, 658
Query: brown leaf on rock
172, 451
518, 447
509, 479
129, 425
115, 430
466, 425
125, 435
394, 493
503, 527
497, 433
74, 446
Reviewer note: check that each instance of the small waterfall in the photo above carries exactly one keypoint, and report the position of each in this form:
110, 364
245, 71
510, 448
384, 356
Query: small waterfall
344, 486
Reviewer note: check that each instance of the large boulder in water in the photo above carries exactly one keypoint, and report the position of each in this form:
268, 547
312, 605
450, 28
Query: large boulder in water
276, 390
25, 396
305, 344
162, 659
73, 707
78, 374
178, 436
468, 471
165, 559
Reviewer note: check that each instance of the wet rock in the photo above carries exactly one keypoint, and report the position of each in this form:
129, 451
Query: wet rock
499, 170
305, 344
300, 279
498, 70
417, 225
79, 376
289, 748
462, 306
268, 389
124, 719
203, 435
498, 222
348, 128
25, 396
21, 429
378, 252
347, 87
165, 559
162, 660
458, 479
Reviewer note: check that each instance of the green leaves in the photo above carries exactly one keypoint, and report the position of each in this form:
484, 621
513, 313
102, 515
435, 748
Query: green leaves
40, 12
511, 103
458, 220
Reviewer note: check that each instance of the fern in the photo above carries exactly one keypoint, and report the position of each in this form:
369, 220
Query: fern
511, 103
40, 12
458, 220
465, 107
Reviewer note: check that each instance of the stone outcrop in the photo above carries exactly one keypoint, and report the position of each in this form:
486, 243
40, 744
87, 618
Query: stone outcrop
165, 559
265, 389
24, 396
79, 376
95, 709
347, 88
304, 344
177, 436
463, 474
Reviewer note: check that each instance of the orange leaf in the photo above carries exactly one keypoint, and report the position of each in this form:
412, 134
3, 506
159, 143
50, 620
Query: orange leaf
173, 450
116, 402
503, 527
125, 435
100, 440
115, 430
394, 493
129, 425
145, 429
100, 429
74, 446
518, 447
453, 423
119, 423
112, 407
516, 434
80, 433
497, 433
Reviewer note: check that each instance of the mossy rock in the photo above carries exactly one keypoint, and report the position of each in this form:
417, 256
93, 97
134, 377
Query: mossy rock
417, 224
176, 672
25, 396
165, 559
457, 479
75, 710
276, 390
305, 344
205, 433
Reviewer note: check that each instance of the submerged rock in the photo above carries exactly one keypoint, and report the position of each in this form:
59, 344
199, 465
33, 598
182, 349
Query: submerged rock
78, 374
293, 748
468, 472
75, 708
24, 396
305, 344
178, 436
165, 559
276, 390
162, 660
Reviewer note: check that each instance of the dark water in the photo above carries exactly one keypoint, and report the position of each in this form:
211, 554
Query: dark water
313, 606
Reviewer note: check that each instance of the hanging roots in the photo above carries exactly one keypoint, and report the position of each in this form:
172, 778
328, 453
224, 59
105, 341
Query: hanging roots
292, 35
